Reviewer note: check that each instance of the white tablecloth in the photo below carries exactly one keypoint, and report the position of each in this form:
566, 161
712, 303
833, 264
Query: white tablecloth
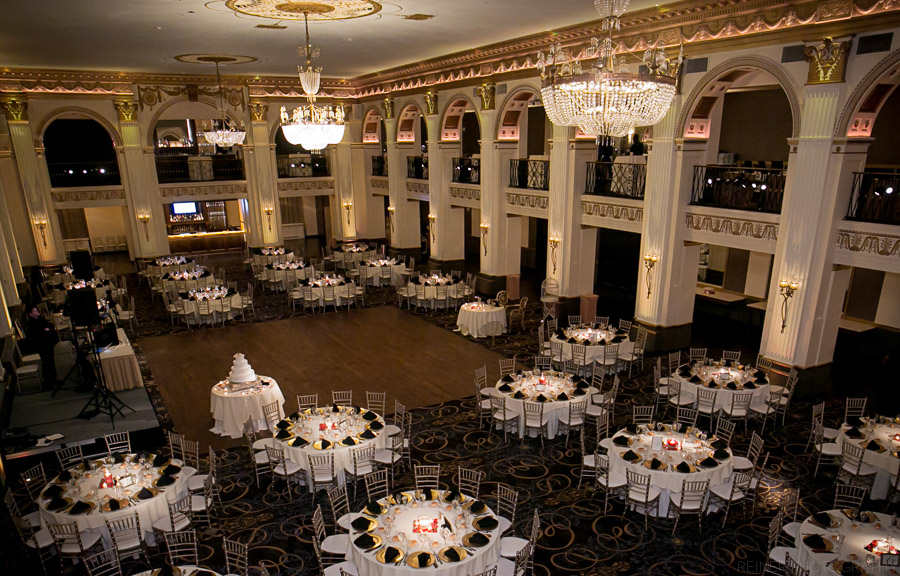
170, 284
885, 462
480, 321
340, 294
231, 410
453, 290
375, 272
120, 367
192, 308
474, 562
669, 480
724, 395
289, 274
553, 410
593, 351
856, 536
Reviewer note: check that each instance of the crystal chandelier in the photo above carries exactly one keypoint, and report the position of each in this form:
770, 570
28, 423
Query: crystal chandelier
610, 100
224, 135
312, 127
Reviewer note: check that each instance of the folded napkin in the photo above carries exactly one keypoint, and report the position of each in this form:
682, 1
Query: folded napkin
451, 495
56, 503
855, 421
563, 396
160, 461
618, 339
587, 342
759, 374
873, 445
683, 467
283, 434
119, 458
367, 435
348, 441
144, 494
376, 425
601, 343
477, 507
731, 385
560, 333
684, 372
294, 416
823, 519
631, 428
694, 379
508, 378
721, 454
749, 386
422, 559
486, 523
326, 444
171, 469
518, 395
365, 541
815, 541
541, 398
761, 381
853, 432
361, 524
53, 490
283, 425
621, 332
335, 408
391, 554
370, 416
712, 384
357, 409
505, 387
719, 445
165, 480
113, 504
850, 569
79, 507
579, 392
656, 464
630, 456
452, 555
166, 570
728, 363
572, 341
581, 384
64, 476
478, 539
299, 442
428, 493
621, 440
709, 463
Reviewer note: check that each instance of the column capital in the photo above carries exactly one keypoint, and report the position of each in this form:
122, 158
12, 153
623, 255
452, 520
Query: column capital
431, 103
388, 108
258, 111
486, 92
827, 61
126, 110
16, 110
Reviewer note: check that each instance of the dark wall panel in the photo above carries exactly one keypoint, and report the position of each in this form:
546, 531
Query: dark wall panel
756, 125
865, 292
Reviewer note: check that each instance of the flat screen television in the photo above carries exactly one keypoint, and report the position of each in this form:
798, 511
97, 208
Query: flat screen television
184, 208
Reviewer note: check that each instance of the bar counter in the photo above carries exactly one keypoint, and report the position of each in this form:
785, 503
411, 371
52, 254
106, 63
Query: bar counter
206, 241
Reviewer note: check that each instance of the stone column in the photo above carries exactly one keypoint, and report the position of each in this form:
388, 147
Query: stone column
9, 237
7, 277
448, 230
137, 164
35, 183
264, 210
405, 230
349, 184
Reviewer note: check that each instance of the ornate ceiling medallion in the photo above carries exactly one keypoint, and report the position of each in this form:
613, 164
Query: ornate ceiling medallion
213, 58
319, 10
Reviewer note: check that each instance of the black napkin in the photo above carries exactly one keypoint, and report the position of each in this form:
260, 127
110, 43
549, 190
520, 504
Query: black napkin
56, 503
369, 416
79, 507
709, 463
621, 332
541, 398
731, 385
367, 435
486, 523
560, 333
165, 480
587, 342
873, 445
451, 495
357, 409
299, 442
518, 395
283, 434
572, 341
283, 425
579, 392
683, 467
631, 428
728, 363
478, 540
581, 383
326, 444
294, 416
113, 504
719, 444
853, 432
855, 421
166, 570
620, 440
618, 340
119, 458
428, 493
749, 386
361, 524
761, 381
348, 441
850, 569
452, 555
631, 455
53, 491
64, 476
656, 464
694, 379
505, 387
759, 374
601, 342
144, 494
376, 425
391, 554
814, 541
365, 541
171, 469
335, 408
563, 396
508, 378
721, 454
477, 507
160, 461
424, 557
712, 384
823, 519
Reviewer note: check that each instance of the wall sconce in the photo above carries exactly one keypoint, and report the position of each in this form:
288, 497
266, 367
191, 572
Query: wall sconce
431, 218
650, 261
348, 206
145, 220
269, 211
391, 211
484, 233
554, 246
41, 225
787, 290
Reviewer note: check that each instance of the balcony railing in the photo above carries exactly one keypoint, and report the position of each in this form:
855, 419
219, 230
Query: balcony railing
379, 166
616, 179
467, 170
534, 174
874, 198
74, 174
302, 166
417, 167
752, 189
199, 168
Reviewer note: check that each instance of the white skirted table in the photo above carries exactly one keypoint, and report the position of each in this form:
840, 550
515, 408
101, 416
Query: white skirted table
557, 389
192, 307
725, 380
120, 367
452, 533
232, 409
828, 540
375, 270
480, 320
881, 442
595, 341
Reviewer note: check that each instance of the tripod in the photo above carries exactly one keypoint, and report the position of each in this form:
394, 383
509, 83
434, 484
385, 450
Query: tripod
103, 399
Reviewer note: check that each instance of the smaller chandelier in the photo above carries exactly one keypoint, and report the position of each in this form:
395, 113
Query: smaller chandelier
312, 127
224, 135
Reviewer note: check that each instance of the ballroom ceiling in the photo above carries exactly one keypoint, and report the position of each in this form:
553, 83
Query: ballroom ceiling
355, 36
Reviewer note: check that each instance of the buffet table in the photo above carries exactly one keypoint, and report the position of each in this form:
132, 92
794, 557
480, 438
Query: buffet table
120, 367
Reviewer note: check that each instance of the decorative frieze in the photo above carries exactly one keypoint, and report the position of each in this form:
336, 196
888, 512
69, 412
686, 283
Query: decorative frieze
869, 243
104, 194
740, 227
470, 194
419, 190
306, 186
612, 211
211, 189
531, 201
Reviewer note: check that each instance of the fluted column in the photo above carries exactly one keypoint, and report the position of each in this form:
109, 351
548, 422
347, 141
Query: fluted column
35, 183
264, 210
405, 232
137, 164
349, 185
448, 230
9, 237
7, 277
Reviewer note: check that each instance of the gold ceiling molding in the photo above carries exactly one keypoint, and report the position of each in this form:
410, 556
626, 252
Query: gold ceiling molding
150, 96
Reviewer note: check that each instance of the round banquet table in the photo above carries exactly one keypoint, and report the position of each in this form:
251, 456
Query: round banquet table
375, 272
189, 283
479, 320
84, 485
340, 292
301, 435
453, 290
857, 534
399, 519
595, 340
649, 445
883, 457
725, 380
192, 308
301, 273
184, 570
526, 385
231, 410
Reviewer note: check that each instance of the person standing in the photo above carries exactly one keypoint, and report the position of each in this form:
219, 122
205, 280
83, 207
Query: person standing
42, 337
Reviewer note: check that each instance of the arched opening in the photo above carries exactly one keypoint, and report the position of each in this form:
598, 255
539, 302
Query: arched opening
295, 161
412, 129
80, 152
373, 133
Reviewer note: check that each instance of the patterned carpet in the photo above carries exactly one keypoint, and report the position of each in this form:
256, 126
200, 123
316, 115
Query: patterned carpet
577, 538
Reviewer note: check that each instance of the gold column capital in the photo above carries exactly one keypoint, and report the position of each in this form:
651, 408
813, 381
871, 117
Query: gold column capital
126, 110
15, 110
388, 108
486, 91
827, 61
258, 111
431, 101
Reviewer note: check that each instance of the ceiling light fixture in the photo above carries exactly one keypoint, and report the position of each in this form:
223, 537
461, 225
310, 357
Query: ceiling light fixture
312, 127
225, 135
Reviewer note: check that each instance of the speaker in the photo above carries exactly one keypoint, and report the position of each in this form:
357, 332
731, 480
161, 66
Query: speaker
82, 265
82, 307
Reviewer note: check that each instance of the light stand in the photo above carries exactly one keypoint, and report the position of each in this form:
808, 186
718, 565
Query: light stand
103, 400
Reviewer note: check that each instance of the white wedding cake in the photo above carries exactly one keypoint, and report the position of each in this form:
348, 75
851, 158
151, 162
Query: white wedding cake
242, 375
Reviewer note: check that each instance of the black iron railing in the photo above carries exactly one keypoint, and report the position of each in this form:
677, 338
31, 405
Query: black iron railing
534, 174
75, 174
616, 179
467, 170
379, 166
417, 167
304, 166
206, 168
752, 189
874, 198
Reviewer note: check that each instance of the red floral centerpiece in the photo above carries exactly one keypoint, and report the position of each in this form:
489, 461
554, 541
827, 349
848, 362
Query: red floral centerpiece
880, 547
425, 524
108, 481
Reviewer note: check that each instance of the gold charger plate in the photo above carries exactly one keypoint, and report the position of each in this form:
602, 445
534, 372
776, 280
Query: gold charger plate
393, 501
691, 466
380, 555
123, 503
881, 448
152, 489
413, 560
459, 497
68, 505
648, 466
318, 445
477, 523
459, 550
373, 524
838, 566
91, 507
865, 517
353, 438
829, 544
290, 436
630, 442
377, 540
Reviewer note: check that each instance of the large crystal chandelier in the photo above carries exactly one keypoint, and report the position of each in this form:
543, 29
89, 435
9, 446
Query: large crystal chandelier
610, 100
312, 127
224, 135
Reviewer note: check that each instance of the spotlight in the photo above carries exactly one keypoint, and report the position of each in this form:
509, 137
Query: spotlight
889, 190
103, 170
763, 187
71, 171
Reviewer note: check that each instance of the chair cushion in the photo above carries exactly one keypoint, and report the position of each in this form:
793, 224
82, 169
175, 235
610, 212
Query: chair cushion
44, 539
287, 468
348, 567
195, 483
506, 567
864, 470
128, 543
723, 491
652, 494
829, 449
504, 524
363, 469
829, 433
336, 544
791, 529
511, 545
165, 525
594, 410
778, 554
198, 503
88, 540
616, 480
391, 430
387, 457
741, 463
589, 461
345, 520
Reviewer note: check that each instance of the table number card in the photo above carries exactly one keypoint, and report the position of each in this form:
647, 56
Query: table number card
126, 481
656, 443
890, 559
